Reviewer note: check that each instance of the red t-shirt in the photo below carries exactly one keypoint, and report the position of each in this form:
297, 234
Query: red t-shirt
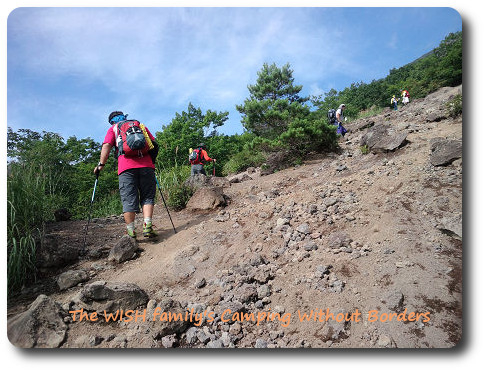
125, 163
205, 158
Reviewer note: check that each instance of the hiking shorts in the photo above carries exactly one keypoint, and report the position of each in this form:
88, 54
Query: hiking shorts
197, 169
137, 187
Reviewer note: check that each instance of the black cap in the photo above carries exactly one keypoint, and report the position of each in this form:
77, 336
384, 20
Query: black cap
114, 114
202, 145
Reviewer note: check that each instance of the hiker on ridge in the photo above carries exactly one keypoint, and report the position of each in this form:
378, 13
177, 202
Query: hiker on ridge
197, 158
394, 101
405, 97
339, 115
136, 151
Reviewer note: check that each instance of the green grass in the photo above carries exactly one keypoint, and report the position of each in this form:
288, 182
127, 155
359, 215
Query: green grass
372, 111
174, 191
364, 149
27, 209
21, 261
242, 160
108, 205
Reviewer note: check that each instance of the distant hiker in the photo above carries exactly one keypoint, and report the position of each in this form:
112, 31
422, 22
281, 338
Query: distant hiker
394, 101
197, 158
405, 97
136, 150
339, 116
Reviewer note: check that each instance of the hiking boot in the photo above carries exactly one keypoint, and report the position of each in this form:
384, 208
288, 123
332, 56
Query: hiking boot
148, 230
132, 234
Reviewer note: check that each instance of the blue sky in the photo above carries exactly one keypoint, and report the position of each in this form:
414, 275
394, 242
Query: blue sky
68, 68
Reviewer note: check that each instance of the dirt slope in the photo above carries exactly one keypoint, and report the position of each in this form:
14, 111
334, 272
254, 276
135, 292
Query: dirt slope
348, 232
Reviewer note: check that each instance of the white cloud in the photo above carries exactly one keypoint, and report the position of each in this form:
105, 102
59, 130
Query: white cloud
166, 57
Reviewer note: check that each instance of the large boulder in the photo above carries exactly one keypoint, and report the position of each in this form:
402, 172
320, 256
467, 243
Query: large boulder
103, 296
124, 250
216, 181
238, 178
206, 198
71, 278
52, 255
444, 151
361, 125
197, 181
436, 116
40, 326
451, 225
62, 215
381, 138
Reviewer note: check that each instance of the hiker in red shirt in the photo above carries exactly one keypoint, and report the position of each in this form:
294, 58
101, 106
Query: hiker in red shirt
198, 158
136, 169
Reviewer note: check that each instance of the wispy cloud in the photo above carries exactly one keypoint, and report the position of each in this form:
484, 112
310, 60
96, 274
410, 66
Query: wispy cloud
154, 61
393, 41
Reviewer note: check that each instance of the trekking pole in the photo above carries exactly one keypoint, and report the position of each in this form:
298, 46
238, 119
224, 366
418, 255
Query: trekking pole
166, 208
213, 168
90, 208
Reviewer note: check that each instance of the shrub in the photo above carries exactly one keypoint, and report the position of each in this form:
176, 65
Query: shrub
241, 160
454, 106
307, 135
178, 197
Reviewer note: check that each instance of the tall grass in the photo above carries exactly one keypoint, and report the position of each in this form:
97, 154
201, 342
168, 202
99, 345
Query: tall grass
26, 214
108, 205
171, 182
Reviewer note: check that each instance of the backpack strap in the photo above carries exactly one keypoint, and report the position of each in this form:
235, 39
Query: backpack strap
199, 156
116, 129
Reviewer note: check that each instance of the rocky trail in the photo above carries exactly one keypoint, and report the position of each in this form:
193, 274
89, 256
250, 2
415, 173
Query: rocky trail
348, 250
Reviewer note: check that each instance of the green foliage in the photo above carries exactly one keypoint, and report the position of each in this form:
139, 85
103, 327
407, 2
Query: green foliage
284, 126
172, 184
186, 130
273, 102
107, 205
307, 135
224, 147
454, 106
46, 173
67, 168
26, 214
364, 149
438, 68
21, 261
242, 160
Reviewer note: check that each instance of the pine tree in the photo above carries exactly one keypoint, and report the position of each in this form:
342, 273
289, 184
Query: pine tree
273, 103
